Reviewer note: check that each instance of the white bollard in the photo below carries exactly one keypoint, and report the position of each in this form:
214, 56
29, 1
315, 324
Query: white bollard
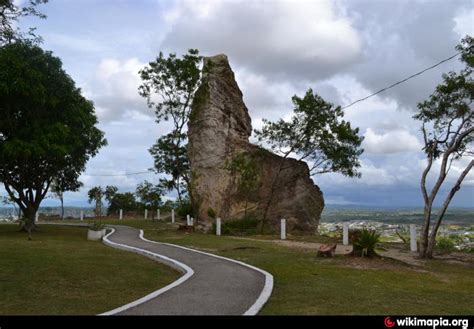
172, 215
218, 226
187, 220
345, 234
413, 246
82, 215
120, 214
191, 221
146, 213
283, 229
36, 217
158, 214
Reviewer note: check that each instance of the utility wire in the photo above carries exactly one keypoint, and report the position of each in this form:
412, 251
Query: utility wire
402, 81
125, 174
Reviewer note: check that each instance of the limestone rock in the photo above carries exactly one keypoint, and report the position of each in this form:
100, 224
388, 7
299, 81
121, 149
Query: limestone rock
233, 177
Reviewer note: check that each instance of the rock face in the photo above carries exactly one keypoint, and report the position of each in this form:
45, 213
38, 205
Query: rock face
231, 177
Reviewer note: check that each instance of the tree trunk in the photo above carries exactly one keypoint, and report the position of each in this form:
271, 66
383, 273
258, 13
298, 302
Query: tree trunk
442, 211
29, 225
425, 228
62, 207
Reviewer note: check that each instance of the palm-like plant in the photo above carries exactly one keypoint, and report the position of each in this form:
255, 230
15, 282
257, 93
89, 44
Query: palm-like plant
366, 242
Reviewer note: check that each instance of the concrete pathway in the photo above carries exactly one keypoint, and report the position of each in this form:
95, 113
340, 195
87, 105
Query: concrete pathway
211, 285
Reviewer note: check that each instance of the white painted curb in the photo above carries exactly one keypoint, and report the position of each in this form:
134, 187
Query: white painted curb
178, 265
266, 291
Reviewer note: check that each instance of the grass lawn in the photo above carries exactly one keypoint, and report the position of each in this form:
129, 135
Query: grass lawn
305, 284
61, 272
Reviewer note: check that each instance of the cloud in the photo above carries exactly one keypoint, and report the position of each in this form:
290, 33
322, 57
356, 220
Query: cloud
114, 89
391, 142
397, 44
464, 22
292, 40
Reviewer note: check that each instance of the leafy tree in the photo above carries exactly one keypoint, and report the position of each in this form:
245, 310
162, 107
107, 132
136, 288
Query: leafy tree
169, 85
316, 133
170, 157
125, 201
10, 14
95, 195
246, 171
448, 129
109, 194
47, 128
150, 196
59, 186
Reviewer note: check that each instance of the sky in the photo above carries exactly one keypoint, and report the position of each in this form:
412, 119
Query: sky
343, 50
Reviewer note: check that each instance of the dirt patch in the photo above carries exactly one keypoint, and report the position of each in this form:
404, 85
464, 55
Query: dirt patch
376, 263
340, 249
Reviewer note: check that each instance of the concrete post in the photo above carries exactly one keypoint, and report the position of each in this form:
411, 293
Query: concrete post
82, 215
146, 213
120, 214
283, 229
172, 215
158, 214
345, 234
36, 217
218, 226
191, 222
188, 221
413, 246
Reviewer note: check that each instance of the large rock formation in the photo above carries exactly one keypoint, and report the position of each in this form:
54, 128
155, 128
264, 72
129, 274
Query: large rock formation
230, 176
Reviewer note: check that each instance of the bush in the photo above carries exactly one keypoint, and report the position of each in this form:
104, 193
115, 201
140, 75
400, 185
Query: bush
211, 213
96, 226
445, 245
185, 208
365, 242
245, 226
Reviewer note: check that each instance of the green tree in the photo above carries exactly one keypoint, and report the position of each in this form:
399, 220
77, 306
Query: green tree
316, 133
125, 201
95, 195
59, 186
47, 128
171, 158
169, 85
10, 13
246, 171
448, 129
150, 196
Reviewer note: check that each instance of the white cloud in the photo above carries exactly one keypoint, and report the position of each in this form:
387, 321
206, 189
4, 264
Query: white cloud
309, 40
390, 142
464, 22
114, 89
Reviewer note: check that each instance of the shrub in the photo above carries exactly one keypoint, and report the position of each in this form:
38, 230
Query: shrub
185, 208
245, 226
445, 245
365, 242
96, 226
211, 213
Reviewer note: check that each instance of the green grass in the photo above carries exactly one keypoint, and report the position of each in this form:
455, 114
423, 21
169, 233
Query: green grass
305, 284
61, 272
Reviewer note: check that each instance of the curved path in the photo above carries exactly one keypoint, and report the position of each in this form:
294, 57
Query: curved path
211, 285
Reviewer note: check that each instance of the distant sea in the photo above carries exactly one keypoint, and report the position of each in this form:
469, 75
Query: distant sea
331, 214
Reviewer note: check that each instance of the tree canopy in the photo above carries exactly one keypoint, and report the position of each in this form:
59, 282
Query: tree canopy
169, 85
48, 129
10, 14
448, 129
318, 134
